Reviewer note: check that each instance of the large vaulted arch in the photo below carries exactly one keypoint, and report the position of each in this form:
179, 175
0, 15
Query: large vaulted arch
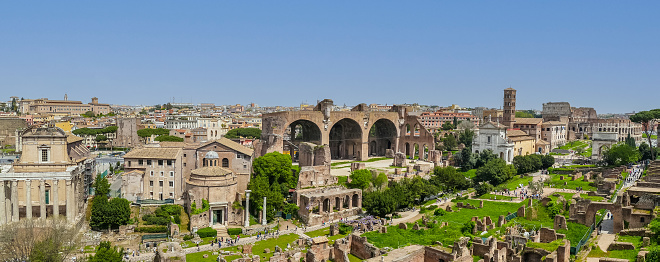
382, 136
345, 139
301, 131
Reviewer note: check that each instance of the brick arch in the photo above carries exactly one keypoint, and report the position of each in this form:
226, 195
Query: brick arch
382, 134
345, 139
615, 209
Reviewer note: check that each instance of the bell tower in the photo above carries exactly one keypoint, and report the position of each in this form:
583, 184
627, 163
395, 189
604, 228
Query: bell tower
509, 116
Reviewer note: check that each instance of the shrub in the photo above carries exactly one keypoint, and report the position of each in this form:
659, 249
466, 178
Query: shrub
234, 231
440, 212
345, 229
207, 232
468, 227
484, 188
187, 237
156, 229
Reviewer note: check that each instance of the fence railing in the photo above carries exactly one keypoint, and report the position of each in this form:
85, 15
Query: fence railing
154, 236
154, 201
587, 235
511, 216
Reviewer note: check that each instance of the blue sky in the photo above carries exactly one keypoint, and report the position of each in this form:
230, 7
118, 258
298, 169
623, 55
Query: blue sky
602, 54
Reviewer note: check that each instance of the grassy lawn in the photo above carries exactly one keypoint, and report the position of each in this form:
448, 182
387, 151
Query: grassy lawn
574, 145
552, 246
652, 136
592, 198
198, 257
470, 173
574, 233
257, 249
318, 232
496, 197
586, 185
631, 255
189, 243
396, 237
513, 183
353, 258
491, 208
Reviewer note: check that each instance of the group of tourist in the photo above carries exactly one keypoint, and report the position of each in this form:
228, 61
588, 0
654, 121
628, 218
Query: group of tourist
634, 175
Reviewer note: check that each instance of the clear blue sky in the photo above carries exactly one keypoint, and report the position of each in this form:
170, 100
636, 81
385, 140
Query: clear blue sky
602, 54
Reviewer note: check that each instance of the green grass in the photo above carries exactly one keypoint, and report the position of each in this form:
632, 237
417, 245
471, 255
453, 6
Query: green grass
470, 173
574, 233
342, 180
365, 161
593, 198
352, 258
631, 255
198, 257
493, 209
511, 184
396, 237
586, 185
496, 197
552, 246
574, 145
259, 247
206, 240
318, 232
652, 136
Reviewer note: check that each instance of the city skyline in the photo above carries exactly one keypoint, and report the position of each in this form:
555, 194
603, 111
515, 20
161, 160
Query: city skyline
286, 53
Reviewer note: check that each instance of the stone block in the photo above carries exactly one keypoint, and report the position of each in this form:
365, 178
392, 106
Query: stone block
501, 221
416, 226
397, 171
358, 166
403, 226
646, 241
621, 246
399, 159
547, 235
389, 153
481, 204
383, 229
247, 249
560, 222
267, 250
521, 211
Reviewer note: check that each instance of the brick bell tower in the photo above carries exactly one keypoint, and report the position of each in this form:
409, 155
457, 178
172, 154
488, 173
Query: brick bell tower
509, 116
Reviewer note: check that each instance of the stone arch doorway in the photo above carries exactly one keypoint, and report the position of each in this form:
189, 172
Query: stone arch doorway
355, 200
345, 139
301, 131
425, 152
615, 209
347, 201
326, 205
382, 136
407, 149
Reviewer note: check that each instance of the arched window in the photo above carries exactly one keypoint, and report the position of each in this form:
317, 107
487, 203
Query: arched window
225, 162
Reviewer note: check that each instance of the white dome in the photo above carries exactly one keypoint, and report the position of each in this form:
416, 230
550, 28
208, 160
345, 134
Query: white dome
211, 155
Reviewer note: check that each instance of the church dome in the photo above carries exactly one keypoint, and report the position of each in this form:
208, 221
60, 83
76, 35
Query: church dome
211, 155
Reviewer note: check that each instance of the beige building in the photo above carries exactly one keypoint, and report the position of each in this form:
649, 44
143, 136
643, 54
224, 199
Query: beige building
523, 144
52, 177
70, 107
161, 170
555, 133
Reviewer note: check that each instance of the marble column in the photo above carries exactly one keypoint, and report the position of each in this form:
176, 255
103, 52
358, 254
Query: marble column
42, 198
28, 199
3, 210
263, 221
69, 200
14, 201
56, 199
247, 208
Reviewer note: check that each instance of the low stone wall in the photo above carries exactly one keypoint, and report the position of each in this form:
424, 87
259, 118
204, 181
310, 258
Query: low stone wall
363, 249
640, 232
621, 246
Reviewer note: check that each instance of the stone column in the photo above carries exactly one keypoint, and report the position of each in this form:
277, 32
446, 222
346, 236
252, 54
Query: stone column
56, 198
28, 199
14, 201
42, 198
247, 208
263, 221
69, 200
3, 210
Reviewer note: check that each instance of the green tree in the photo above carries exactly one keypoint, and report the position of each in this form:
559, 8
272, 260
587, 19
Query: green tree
620, 154
631, 141
105, 252
483, 158
147, 132
100, 138
360, 178
272, 176
101, 186
644, 151
449, 179
168, 138
447, 126
249, 132
380, 181
465, 159
89, 114
496, 171
547, 161
483, 188
455, 122
648, 120
524, 114
449, 141
466, 137
380, 203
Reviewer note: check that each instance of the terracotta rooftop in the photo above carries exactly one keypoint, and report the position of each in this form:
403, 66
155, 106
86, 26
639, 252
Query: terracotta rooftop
153, 153
528, 121
72, 139
231, 144
515, 132
211, 171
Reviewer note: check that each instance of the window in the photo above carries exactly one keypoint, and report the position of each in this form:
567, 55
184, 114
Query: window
140, 162
239, 156
149, 162
641, 219
160, 183
171, 173
171, 195
184, 155
225, 162
162, 173
488, 139
151, 173
169, 162
171, 183
160, 162
44, 155
151, 194
151, 183
184, 163
129, 163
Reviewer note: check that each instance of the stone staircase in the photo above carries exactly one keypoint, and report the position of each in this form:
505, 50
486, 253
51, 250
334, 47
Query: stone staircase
222, 230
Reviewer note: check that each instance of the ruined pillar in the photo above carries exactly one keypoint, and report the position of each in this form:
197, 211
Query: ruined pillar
28, 199
69, 200
14, 201
263, 221
247, 208
42, 198
3, 210
56, 199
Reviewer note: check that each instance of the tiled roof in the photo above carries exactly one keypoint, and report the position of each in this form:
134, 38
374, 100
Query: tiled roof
153, 153
211, 171
528, 121
72, 139
231, 144
515, 132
